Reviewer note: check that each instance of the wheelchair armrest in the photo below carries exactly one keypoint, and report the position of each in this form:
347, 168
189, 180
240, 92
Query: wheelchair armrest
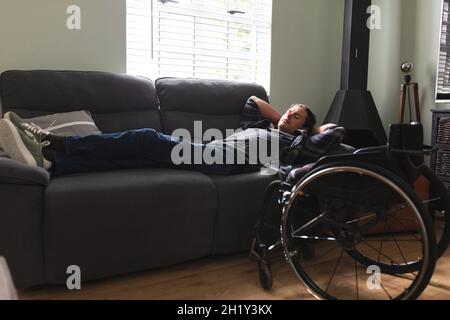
297, 173
372, 150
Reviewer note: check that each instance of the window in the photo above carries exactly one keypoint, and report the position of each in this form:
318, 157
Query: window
443, 76
214, 39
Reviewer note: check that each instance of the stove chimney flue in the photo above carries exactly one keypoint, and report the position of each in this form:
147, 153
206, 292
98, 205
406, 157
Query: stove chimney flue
353, 106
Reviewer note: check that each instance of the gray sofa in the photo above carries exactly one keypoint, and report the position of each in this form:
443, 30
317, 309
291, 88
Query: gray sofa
112, 223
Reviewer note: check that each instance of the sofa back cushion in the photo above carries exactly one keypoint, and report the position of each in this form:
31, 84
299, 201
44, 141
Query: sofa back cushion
217, 103
116, 102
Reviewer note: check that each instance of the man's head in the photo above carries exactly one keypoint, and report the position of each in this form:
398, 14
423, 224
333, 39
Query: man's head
298, 116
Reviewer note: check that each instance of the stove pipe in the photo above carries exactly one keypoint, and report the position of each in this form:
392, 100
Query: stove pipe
353, 106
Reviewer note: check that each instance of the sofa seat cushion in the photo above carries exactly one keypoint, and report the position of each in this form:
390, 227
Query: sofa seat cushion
117, 222
240, 199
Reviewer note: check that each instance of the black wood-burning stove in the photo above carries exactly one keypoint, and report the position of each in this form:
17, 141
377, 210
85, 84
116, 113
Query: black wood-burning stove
353, 106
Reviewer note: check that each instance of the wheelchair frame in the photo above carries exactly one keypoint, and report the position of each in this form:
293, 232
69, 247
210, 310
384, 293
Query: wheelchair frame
401, 157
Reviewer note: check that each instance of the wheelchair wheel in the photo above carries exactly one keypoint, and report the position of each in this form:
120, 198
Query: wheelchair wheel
373, 238
439, 206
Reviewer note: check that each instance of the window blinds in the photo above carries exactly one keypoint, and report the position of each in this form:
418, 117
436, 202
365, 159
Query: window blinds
219, 39
443, 77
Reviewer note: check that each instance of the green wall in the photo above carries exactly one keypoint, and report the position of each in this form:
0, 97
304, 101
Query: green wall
410, 31
385, 57
425, 44
34, 35
306, 53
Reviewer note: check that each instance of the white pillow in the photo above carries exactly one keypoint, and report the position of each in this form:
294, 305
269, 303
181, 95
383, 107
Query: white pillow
76, 123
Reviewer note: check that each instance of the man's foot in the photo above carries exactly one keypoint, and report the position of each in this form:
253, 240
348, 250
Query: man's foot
21, 145
38, 132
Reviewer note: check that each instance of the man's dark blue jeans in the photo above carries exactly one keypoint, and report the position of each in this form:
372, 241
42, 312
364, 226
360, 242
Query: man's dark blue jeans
142, 148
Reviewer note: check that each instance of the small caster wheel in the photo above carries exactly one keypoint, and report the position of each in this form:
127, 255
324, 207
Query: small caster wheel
265, 275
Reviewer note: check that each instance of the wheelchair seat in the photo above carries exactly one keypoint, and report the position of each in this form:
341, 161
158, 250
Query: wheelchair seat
297, 172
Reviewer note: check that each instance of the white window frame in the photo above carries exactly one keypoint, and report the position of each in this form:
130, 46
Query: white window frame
142, 50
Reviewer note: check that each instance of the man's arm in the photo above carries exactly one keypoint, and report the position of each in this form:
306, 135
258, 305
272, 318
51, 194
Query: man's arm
267, 111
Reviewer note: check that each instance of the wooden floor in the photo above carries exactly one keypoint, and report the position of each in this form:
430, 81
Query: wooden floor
229, 278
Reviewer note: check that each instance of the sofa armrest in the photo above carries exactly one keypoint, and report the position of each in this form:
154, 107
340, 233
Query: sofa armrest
13, 172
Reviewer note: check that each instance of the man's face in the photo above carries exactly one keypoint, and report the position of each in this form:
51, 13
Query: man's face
293, 119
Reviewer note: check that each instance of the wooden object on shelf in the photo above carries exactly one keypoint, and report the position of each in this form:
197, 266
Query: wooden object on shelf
404, 95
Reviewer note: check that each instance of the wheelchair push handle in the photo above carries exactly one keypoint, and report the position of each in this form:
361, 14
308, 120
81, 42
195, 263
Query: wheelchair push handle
372, 150
406, 139
426, 150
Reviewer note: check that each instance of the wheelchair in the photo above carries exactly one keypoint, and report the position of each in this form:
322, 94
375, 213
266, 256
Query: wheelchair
352, 227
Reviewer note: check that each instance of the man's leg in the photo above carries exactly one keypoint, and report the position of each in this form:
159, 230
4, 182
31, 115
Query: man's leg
132, 143
130, 149
141, 148
65, 163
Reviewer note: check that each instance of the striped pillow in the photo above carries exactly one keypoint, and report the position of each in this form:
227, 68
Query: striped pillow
76, 123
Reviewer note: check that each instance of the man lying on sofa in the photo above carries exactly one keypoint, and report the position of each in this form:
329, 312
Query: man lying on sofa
27, 143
